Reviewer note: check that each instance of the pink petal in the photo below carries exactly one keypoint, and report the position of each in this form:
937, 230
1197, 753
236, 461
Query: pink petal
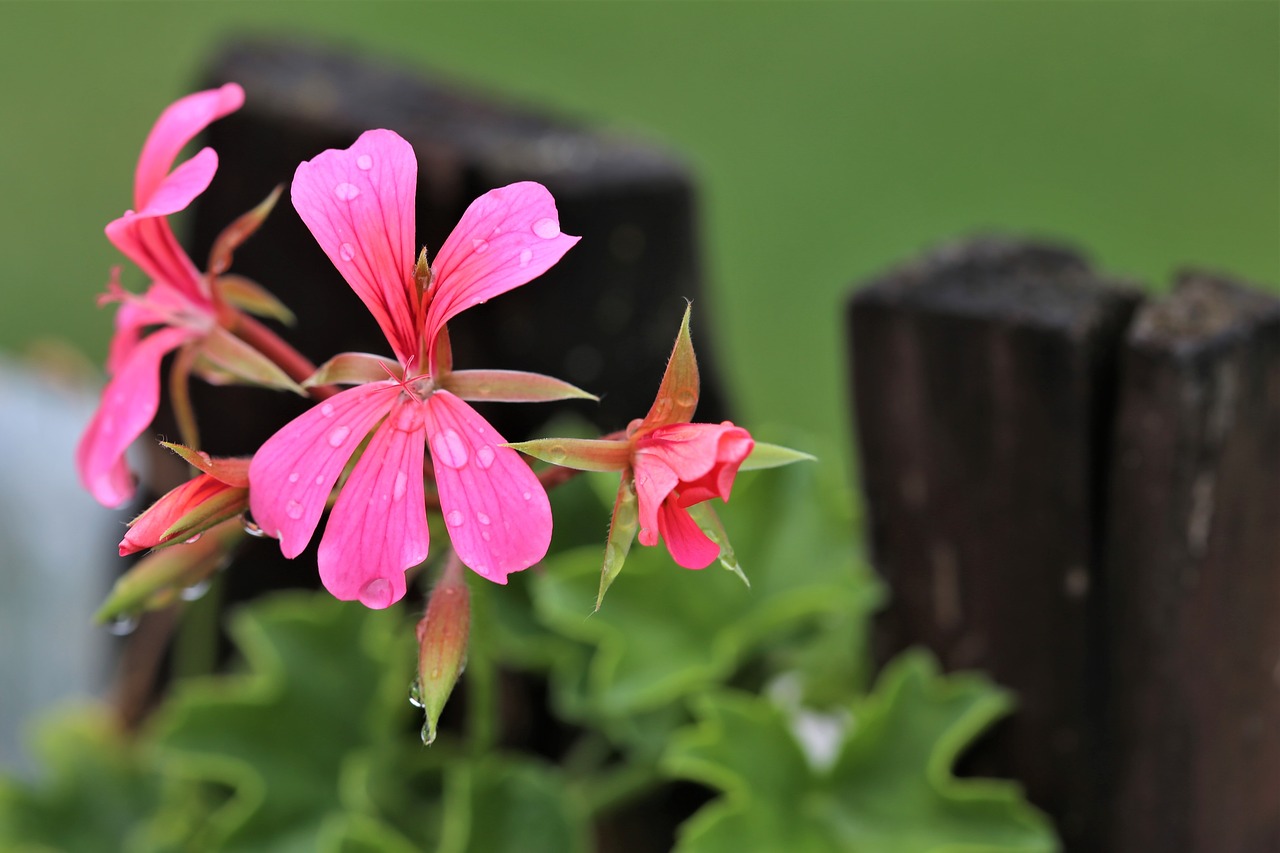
496, 511
180, 123
688, 449
378, 527
292, 474
358, 203
688, 545
654, 480
507, 237
129, 404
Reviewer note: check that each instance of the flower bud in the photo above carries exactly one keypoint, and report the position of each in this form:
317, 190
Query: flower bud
442, 644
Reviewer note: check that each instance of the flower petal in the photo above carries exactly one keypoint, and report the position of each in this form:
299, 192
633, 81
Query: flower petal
688, 545
180, 123
654, 480
128, 405
292, 474
496, 511
506, 238
358, 203
378, 527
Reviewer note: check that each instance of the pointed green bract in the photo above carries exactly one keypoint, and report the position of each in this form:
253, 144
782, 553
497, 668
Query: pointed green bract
354, 368
622, 532
252, 297
511, 386
581, 454
224, 358
765, 455
233, 471
677, 397
156, 580
709, 522
234, 235
207, 515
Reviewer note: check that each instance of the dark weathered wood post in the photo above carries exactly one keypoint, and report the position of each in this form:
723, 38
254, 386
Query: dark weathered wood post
982, 378
1193, 568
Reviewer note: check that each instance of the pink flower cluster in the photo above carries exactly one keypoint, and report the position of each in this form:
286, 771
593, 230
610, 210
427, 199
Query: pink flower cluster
403, 434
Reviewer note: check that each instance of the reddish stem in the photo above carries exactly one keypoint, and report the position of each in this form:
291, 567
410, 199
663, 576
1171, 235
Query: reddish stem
296, 365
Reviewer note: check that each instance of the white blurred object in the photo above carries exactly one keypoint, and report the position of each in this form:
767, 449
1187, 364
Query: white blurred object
56, 558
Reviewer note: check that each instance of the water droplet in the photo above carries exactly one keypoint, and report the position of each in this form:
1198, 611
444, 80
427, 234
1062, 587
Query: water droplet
326, 409
428, 734
409, 417
346, 191
454, 518
293, 478
339, 435
251, 527
556, 453
376, 594
415, 694
293, 509
484, 534
482, 518
484, 456
527, 496
319, 479
449, 449
193, 540
197, 590
526, 255
123, 625
480, 246
546, 228
687, 399
402, 485
365, 162
346, 251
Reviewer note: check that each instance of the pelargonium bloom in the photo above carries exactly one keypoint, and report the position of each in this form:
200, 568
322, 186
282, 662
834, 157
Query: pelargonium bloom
359, 205
668, 465
178, 300
220, 492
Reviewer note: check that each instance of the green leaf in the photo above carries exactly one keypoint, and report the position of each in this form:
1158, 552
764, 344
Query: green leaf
327, 685
500, 804
888, 788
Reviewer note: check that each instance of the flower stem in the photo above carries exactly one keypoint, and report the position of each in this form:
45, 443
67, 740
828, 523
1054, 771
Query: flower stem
180, 396
296, 365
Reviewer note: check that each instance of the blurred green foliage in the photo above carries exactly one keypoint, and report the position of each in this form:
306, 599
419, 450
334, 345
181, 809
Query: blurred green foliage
832, 139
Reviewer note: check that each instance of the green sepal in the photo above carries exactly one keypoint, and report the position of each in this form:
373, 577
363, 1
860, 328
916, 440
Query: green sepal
234, 235
210, 513
252, 297
622, 532
442, 645
354, 368
156, 580
677, 397
234, 471
226, 359
705, 517
581, 454
511, 386
765, 455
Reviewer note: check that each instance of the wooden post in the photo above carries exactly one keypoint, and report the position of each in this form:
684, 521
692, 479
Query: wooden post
982, 380
1193, 567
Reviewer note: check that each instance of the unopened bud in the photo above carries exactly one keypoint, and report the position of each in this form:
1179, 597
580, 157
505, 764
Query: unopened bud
442, 644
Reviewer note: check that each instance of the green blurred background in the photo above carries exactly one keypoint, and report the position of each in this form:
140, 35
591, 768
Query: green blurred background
831, 140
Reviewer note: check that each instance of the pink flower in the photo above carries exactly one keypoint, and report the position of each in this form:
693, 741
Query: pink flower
359, 205
178, 300
219, 493
677, 466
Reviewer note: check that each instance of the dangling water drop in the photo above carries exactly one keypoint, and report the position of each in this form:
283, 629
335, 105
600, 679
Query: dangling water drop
415, 693
196, 591
123, 625
251, 527
193, 540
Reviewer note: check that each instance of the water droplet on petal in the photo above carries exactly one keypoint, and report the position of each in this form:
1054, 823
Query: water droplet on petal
346, 191
449, 449
346, 251
293, 478
480, 246
410, 417
319, 479
123, 625
527, 496
293, 509
197, 590
547, 229
526, 255
365, 162
326, 409
339, 435
482, 518
454, 518
484, 456
484, 534
376, 594
402, 485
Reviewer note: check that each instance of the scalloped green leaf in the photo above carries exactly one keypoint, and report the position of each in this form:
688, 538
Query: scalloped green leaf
886, 787
505, 804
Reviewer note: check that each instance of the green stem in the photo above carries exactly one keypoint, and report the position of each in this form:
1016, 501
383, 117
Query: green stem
482, 681
180, 396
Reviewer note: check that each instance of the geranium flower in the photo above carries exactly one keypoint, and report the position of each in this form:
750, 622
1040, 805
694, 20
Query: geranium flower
178, 300
359, 205
220, 492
